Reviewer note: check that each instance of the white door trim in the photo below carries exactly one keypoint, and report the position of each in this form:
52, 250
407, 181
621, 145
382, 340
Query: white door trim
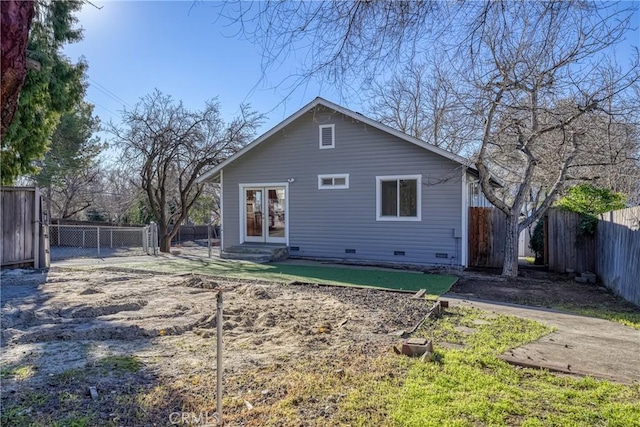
221, 236
242, 206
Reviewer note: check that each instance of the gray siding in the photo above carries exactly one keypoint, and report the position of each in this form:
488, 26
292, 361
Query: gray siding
323, 223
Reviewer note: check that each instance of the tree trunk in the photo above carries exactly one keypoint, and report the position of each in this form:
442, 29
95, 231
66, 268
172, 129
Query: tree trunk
165, 244
16, 21
510, 267
164, 237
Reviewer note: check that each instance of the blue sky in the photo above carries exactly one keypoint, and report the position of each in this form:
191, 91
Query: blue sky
134, 47
178, 47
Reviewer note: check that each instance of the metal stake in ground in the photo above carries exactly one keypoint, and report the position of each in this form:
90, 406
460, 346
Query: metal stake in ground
219, 358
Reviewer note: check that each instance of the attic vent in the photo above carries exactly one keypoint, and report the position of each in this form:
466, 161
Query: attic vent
399, 253
349, 251
327, 136
441, 255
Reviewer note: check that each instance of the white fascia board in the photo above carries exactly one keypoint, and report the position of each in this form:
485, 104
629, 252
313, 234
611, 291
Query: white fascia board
259, 140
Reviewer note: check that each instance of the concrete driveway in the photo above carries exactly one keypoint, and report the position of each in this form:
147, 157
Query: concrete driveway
581, 345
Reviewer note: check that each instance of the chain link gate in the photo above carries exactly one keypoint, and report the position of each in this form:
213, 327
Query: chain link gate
88, 241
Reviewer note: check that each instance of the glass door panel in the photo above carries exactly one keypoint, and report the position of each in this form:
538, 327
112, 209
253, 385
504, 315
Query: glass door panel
254, 218
277, 210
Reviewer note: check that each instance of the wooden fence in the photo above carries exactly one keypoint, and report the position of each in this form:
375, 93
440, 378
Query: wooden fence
487, 233
569, 248
24, 242
618, 253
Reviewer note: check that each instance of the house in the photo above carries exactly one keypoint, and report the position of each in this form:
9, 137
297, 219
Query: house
328, 182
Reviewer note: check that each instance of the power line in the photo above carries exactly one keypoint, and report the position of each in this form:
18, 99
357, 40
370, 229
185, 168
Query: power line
109, 93
101, 106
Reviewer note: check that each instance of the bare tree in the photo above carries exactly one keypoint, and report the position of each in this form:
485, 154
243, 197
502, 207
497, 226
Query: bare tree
121, 200
612, 158
75, 192
525, 73
421, 101
536, 72
167, 146
346, 41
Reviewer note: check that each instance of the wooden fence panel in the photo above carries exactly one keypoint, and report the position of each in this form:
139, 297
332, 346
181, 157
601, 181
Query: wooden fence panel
19, 226
618, 266
569, 248
487, 233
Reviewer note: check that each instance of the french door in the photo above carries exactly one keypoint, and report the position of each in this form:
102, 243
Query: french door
265, 214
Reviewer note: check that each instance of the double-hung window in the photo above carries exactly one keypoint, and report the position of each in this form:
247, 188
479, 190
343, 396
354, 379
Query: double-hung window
398, 198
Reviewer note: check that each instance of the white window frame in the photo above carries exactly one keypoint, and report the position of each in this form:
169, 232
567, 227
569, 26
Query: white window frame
333, 186
380, 179
333, 136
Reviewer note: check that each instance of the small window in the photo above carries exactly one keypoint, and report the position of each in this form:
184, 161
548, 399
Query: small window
327, 136
333, 181
398, 198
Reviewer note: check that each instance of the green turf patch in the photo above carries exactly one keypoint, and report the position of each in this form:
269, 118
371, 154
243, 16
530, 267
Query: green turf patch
435, 284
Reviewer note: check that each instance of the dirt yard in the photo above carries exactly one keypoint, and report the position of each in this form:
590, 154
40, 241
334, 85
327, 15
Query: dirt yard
128, 332
145, 343
536, 287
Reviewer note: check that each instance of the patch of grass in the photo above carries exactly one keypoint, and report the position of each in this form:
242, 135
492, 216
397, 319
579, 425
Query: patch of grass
467, 390
75, 420
490, 334
66, 397
435, 284
474, 387
71, 374
16, 415
18, 372
120, 364
23, 413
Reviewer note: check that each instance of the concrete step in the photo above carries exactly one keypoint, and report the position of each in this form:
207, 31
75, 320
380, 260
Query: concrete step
253, 257
256, 253
253, 249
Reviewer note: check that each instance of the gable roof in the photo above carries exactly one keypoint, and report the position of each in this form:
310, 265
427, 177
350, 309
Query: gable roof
352, 114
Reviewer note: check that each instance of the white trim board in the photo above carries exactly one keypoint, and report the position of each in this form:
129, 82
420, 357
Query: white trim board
221, 212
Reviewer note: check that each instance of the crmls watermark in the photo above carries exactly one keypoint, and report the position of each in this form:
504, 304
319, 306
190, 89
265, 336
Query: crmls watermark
194, 418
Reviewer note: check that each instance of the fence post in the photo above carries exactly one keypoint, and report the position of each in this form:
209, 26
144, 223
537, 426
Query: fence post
154, 237
37, 262
98, 242
219, 321
83, 237
145, 244
111, 238
209, 238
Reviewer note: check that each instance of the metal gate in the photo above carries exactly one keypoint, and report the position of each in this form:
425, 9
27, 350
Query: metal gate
89, 241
